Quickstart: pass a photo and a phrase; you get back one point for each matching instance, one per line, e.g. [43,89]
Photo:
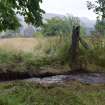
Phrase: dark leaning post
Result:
[75,48]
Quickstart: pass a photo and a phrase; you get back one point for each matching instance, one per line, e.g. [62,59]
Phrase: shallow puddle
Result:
[47,78]
[90,78]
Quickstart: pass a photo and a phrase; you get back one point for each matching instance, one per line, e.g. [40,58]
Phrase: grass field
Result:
[42,51]
[19,44]
[29,54]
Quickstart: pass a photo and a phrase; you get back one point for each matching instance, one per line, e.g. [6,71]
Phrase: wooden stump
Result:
[75,48]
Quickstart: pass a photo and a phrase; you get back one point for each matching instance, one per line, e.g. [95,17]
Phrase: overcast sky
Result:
[73,7]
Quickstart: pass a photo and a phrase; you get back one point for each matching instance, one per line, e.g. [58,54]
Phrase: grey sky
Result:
[73,7]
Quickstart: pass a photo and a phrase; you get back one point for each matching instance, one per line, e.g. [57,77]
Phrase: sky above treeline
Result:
[72,7]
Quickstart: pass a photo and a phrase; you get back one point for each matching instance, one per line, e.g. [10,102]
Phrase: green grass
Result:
[31,94]
[20,61]
[95,56]
[51,52]
[28,62]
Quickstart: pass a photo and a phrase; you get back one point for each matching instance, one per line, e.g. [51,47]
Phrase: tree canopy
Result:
[29,9]
[57,26]
[100,27]
[98,7]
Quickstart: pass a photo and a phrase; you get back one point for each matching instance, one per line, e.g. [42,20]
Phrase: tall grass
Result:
[42,51]
[95,55]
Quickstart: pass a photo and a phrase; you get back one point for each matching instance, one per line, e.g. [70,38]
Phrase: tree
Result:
[29,9]
[98,7]
[52,27]
[57,26]
[100,27]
